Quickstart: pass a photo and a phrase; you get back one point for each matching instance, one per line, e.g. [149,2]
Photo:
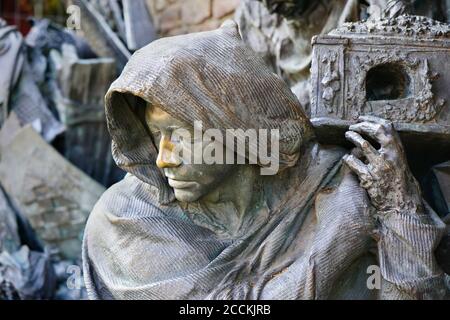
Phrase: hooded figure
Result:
[305,233]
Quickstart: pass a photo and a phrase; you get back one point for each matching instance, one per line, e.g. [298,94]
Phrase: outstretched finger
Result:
[368,150]
[357,166]
[374,130]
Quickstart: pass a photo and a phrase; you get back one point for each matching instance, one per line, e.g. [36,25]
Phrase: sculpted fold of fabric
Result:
[311,231]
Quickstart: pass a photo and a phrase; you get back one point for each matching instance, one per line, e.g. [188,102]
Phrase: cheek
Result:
[206,176]
[214,174]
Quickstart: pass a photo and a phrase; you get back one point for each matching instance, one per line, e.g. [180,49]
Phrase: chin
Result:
[184,195]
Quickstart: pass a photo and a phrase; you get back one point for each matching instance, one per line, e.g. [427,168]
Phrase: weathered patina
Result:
[309,232]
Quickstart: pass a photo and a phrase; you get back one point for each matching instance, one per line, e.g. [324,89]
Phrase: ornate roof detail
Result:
[404,26]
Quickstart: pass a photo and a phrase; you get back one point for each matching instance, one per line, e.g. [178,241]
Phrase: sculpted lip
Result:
[177,184]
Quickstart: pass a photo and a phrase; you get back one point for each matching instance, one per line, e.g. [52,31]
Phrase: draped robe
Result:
[312,234]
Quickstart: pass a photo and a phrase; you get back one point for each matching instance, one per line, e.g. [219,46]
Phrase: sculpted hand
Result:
[384,173]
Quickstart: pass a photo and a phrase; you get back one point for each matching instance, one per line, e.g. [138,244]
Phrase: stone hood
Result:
[211,77]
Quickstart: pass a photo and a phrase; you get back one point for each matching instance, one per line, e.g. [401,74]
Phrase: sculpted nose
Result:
[166,155]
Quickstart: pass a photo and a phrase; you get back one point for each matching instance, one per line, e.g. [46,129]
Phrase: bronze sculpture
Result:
[391,68]
[311,231]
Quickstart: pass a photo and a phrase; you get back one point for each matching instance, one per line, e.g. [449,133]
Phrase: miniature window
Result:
[387,82]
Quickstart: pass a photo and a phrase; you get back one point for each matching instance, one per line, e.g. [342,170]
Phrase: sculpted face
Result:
[189,181]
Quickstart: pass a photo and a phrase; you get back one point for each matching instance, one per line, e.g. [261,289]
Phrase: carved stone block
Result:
[54,196]
[83,84]
[397,69]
